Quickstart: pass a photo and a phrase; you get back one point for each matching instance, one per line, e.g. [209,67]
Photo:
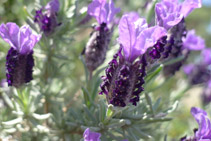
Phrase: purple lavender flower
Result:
[20,61]
[203,133]
[97,45]
[47,17]
[125,76]
[91,136]
[170,12]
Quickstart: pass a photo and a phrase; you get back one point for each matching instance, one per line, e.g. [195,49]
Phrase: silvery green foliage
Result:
[60,103]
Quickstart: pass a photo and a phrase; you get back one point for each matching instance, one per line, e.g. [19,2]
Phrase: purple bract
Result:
[91,136]
[170,12]
[20,61]
[102,11]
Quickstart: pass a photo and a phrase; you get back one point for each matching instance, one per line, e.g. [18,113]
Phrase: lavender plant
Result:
[115,89]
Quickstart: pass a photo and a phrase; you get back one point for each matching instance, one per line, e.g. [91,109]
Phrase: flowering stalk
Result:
[125,76]
[20,62]
[97,46]
[46,17]
[171,15]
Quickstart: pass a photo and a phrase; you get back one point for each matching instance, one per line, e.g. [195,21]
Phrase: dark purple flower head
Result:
[102,11]
[47,17]
[193,42]
[170,12]
[19,58]
[125,76]
[91,136]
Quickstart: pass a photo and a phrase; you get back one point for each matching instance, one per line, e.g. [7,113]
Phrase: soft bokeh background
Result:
[200,20]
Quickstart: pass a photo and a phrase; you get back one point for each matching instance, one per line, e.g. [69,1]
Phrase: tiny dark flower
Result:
[97,46]
[47,17]
[125,75]
[19,60]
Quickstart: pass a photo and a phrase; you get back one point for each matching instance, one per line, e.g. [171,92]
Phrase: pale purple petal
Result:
[127,34]
[53,6]
[10,33]
[168,14]
[27,40]
[204,130]
[188,69]
[149,37]
[206,54]
[112,11]
[189,5]
[97,9]
[193,42]
[91,136]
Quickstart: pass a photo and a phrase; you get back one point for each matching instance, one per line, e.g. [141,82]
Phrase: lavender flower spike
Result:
[46,17]
[193,42]
[170,13]
[125,76]
[91,136]
[20,61]
[97,46]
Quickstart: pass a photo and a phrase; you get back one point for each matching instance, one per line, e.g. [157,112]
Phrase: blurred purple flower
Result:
[188,69]
[206,56]
[193,42]
[97,46]
[47,17]
[125,77]
[206,95]
[170,12]
[20,61]
[91,136]
[102,11]
[204,130]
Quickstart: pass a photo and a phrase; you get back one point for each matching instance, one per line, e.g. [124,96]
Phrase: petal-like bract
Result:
[53,6]
[193,42]
[91,136]
[189,5]
[102,11]
[136,37]
[204,131]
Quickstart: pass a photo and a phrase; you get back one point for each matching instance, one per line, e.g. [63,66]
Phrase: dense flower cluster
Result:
[125,76]
[20,61]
